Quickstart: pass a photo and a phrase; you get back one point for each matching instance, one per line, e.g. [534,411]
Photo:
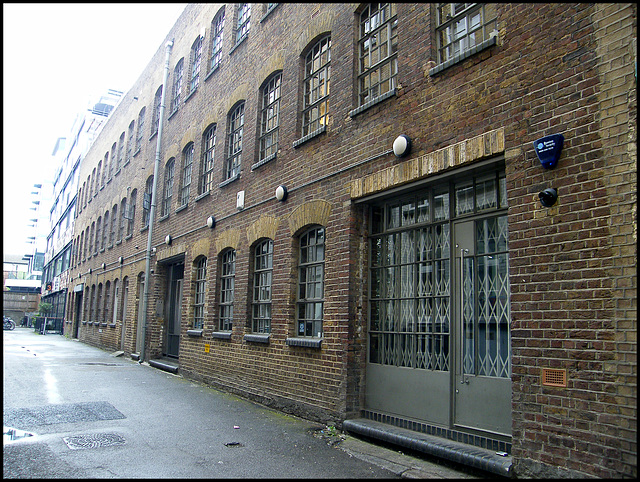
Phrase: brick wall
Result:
[556,68]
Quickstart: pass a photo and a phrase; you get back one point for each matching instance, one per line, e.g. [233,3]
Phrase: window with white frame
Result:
[168,187]
[123,219]
[227,282]
[234,141]
[130,141]
[317,74]
[200,291]
[177,84]
[187,163]
[196,58]
[270,116]
[244,17]
[140,132]
[378,51]
[262,280]
[120,152]
[146,202]
[155,119]
[462,26]
[216,39]
[132,211]
[310,299]
[208,153]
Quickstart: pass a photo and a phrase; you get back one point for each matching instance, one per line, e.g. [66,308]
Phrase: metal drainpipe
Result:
[152,210]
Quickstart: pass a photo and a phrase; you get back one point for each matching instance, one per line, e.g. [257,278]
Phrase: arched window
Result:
[196,58]
[132,211]
[114,224]
[178,72]
[216,39]
[234,141]
[227,282]
[270,116]
[130,141]
[262,280]
[187,163]
[244,22]
[168,187]
[146,202]
[155,118]
[317,76]
[120,152]
[105,231]
[140,132]
[123,219]
[200,292]
[208,154]
[310,294]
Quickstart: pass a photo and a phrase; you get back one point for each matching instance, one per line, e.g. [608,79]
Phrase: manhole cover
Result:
[93,441]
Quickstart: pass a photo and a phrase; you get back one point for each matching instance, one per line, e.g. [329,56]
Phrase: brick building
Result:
[347,223]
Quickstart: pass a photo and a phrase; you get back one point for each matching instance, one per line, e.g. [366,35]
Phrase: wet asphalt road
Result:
[96,415]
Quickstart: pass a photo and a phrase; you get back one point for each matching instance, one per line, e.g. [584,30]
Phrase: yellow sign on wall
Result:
[206,348]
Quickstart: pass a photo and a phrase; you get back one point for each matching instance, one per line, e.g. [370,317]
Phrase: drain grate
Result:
[93,441]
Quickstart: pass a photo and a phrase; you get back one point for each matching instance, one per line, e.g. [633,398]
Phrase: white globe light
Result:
[401,146]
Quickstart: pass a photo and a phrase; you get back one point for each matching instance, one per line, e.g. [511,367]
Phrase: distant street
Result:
[96,415]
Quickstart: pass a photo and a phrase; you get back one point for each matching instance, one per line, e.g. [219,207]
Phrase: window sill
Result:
[305,342]
[145,228]
[153,134]
[117,172]
[221,335]
[372,102]
[268,12]
[190,95]
[264,161]
[101,324]
[166,216]
[463,55]
[238,43]
[203,195]
[173,112]
[309,136]
[257,338]
[195,333]
[229,181]
[181,208]
[137,152]
[214,69]
[112,325]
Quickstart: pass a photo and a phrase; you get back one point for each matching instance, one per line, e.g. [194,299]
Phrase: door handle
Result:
[463,251]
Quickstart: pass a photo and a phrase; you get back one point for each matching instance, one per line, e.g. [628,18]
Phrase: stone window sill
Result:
[221,335]
[305,342]
[463,55]
[372,102]
[257,338]
[309,136]
[195,333]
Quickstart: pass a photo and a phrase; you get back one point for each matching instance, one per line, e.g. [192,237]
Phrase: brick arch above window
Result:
[241,93]
[265,227]
[271,65]
[229,238]
[312,212]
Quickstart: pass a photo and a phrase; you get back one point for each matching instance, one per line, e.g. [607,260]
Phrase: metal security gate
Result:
[439,346]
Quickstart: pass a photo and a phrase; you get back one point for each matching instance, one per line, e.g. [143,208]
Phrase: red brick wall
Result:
[556,68]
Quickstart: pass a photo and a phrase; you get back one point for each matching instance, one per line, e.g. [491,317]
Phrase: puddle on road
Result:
[12,434]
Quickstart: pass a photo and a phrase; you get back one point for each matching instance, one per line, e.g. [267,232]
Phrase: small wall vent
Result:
[553,377]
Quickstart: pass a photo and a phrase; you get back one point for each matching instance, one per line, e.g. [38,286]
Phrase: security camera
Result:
[548,197]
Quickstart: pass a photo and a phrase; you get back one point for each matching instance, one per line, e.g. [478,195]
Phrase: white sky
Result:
[57,57]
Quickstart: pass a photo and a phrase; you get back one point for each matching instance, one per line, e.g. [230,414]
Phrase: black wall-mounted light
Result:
[548,197]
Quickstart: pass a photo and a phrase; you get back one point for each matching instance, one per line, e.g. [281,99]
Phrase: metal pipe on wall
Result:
[152,209]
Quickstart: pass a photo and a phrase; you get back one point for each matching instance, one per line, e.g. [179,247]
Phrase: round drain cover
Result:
[92,441]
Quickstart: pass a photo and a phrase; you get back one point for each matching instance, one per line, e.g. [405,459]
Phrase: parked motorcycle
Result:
[8,323]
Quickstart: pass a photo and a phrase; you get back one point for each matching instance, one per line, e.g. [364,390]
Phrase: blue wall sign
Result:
[548,150]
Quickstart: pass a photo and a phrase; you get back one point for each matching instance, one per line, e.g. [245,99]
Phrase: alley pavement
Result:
[77,411]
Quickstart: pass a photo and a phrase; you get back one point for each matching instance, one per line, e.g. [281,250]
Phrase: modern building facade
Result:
[354,211]
[68,155]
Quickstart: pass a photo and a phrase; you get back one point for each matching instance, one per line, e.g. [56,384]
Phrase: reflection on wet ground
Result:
[11,434]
